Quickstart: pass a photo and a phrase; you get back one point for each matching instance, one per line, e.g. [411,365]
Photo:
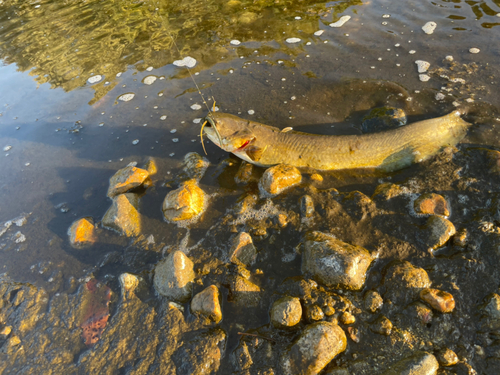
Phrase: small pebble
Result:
[440,96]
[438,299]
[150,68]
[429,27]
[411,52]
[7,148]
[449,58]
[164,117]
[197,120]
[341,21]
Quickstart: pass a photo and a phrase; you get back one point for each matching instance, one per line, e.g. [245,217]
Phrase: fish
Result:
[390,150]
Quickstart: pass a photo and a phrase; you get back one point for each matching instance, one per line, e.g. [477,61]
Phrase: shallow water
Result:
[68,135]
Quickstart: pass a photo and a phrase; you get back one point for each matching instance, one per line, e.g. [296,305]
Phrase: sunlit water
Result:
[64,66]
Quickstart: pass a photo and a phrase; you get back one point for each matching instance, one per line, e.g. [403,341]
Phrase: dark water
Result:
[68,135]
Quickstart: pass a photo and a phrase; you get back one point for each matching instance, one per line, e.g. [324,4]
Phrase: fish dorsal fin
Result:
[255,152]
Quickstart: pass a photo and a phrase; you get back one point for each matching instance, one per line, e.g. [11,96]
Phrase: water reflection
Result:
[64,43]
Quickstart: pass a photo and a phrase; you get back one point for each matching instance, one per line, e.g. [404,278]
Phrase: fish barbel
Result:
[390,150]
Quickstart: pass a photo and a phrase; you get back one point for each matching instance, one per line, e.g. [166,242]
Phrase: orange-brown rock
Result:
[126,179]
[431,204]
[279,178]
[123,215]
[82,232]
[438,299]
[184,203]
[207,303]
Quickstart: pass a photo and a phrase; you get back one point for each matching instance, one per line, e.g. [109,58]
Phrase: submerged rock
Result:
[242,251]
[126,179]
[317,345]
[244,174]
[174,277]
[438,231]
[207,303]
[277,179]
[420,363]
[383,118]
[241,357]
[403,282]
[372,301]
[438,299]
[447,357]
[431,204]
[306,206]
[286,312]
[194,166]
[202,354]
[244,292]
[82,232]
[382,326]
[151,166]
[184,203]
[123,215]
[334,262]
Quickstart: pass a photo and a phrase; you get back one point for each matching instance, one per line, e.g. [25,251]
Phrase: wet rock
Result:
[431,204]
[151,167]
[194,166]
[126,179]
[306,206]
[202,354]
[242,251]
[184,203]
[490,309]
[245,204]
[123,215]
[387,191]
[334,262]
[447,357]
[82,232]
[420,363]
[354,334]
[314,313]
[317,177]
[317,345]
[338,371]
[241,357]
[383,118]
[286,312]
[5,332]
[347,318]
[419,313]
[372,301]
[207,303]
[438,231]
[244,292]
[382,326]
[438,299]
[277,179]
[282,220]
[460,238]
[174,277]
[244,174]
[493,158]
[128,284]
[403,282]
[95,311]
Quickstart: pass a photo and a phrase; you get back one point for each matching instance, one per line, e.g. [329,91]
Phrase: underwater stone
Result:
[403,282]
[286,312]
[334,262]
[82,232]
[242,250]
[438,231]
[184,203]
[277,179]
[244,292]
[420,363]
[317,345]
[126,179]
[431,204]
[382,326]
[174,277]
[123,215]
[207,303]
[372,301]
[383,118]
[447,357]
[194,166]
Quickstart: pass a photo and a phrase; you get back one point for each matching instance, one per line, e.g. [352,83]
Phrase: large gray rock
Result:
[174,277]
[334,262]
[126,179]
[123,215]
[318,344]
[242,250]
[403,282]
[286,312]
[202,354]
[420,363]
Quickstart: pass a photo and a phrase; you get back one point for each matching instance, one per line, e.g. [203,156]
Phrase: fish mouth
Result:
[211,130]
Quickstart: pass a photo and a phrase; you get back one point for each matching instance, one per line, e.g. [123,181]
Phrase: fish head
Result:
[230,133]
